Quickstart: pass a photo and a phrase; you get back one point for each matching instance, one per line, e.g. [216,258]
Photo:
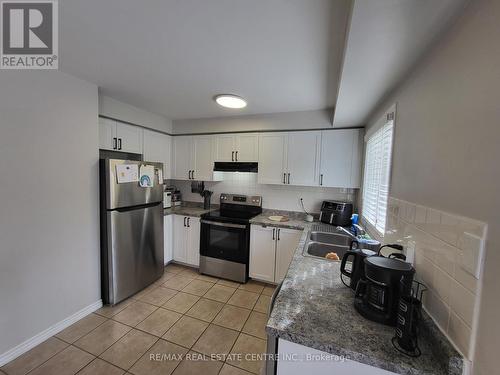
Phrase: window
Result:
[377,173]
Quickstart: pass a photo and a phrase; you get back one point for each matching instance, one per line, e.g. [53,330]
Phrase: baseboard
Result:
[49,332]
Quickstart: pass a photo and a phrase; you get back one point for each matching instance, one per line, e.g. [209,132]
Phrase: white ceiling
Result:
[172,56]
[385,39]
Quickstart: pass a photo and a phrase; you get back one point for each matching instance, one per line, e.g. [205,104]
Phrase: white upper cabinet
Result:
[202,158]
[118,136]
[357,157]
[225,145]
[303,158]
[247,147]
[237,147]
[330,158]
[158,147]
[341,158]
[129,138]
[272,158]
[182,158]
[193,158]
[107,134]
[289,158]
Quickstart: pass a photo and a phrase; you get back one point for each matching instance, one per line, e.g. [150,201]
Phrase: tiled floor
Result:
[171,327]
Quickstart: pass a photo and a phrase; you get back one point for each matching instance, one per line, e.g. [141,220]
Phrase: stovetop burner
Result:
[236,208]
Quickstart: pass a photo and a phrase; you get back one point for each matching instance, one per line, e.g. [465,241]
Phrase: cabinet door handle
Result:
[236,154]
[188,221]
[185,220]
[114,143]
[189,174]
[284,178]
[119,143]
[192,175]
[279,230]
[321,180]
[232,155]
[288,178]
[274,231]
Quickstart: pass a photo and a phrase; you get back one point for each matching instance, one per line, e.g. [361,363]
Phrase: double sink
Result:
[319,244]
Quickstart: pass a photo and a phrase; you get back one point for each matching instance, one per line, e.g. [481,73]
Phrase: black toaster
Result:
[336,213]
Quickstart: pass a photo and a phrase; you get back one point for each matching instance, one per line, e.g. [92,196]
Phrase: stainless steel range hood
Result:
[236,167]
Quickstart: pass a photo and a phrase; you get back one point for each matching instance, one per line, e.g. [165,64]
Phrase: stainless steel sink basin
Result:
[331,238]
[317,249]
[321,243]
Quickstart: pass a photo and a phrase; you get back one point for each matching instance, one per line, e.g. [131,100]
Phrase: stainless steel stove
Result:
[225,237]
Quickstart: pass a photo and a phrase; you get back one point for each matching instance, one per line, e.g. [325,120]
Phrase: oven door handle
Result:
[230,225]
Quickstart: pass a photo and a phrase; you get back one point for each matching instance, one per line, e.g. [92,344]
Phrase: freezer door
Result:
[135,250]
[130,193]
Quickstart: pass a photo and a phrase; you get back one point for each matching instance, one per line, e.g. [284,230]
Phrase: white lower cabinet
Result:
[180,239]
[286,244]
[271,251]
[186,235]
[262,253]
[168,230]
[193,242]
[296,359]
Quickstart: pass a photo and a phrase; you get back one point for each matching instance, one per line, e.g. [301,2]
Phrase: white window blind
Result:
[377,175]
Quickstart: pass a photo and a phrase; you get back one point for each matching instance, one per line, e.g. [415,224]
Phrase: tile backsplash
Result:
[448,256]
[279,197]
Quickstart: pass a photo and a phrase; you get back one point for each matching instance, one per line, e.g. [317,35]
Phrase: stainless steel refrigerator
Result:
[131,227]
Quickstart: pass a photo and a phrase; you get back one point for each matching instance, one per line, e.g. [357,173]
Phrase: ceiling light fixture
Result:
[230,101]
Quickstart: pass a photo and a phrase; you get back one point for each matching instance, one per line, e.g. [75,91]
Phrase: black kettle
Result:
[357,271]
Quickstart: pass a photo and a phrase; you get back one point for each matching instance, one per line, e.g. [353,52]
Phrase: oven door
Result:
[227,241]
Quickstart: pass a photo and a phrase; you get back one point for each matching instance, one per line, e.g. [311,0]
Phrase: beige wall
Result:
[49,222]
[121,111]
[446,150]
[273,121]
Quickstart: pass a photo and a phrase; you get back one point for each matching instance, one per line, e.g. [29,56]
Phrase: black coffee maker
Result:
[378,294]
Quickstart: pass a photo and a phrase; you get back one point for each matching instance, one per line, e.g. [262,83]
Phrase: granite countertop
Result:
[193,209]
[296,219]
[314,309]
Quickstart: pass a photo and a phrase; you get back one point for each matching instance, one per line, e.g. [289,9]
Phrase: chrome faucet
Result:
[342,229]
[367,244]
[359,230]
